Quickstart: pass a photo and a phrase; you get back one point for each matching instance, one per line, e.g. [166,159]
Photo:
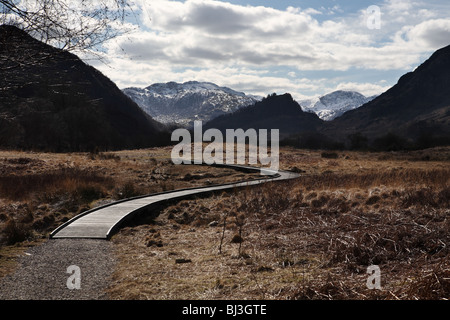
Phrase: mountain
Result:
[334,104]
[414,113]
[182,103]
[417,108]
[51,100]
[273,112]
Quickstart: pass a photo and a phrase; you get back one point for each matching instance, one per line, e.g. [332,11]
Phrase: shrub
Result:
[329,155]
[44,222]
[154,239]
[128,190]
[89,193]
[237,239]
[358,141]
[14,232]
[46,185]
[421,197]
[390,142]
[372,200]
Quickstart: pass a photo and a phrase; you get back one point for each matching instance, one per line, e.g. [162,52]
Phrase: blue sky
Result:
[306,48]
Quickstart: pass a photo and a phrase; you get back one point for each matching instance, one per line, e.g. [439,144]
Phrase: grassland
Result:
[40,191]
[309,238]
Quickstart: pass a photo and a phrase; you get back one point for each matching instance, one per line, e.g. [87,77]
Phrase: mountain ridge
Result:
[334,104]
[182,103]
[61,104]
[416,107]
[414,113]
[56,102]
[273,112]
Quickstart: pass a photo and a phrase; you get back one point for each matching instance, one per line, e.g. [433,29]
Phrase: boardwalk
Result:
[102,222]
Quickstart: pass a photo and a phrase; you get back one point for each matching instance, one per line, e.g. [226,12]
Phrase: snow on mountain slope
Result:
[335,104]
[182,103]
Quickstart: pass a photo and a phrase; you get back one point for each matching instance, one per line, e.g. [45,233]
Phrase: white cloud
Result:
[432,33]
[397,6]
[231,44]
[367,89]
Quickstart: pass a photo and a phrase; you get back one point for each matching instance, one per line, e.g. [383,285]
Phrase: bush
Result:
[312,140]
[128,190]
[358,141]
[14,232]
[89,193]
[44,222]
[329,155]
[390,142]
[46,185]
[421,197]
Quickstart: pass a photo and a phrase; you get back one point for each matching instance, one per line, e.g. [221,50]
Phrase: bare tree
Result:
[78,25]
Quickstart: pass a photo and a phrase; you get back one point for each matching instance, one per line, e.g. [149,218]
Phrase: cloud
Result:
[398,6]
[367,89]
[433,33]
[232,44]
[208,31]
[221,31]
[222,18]
[312,11]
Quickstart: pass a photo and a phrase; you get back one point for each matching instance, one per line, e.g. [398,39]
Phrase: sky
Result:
[306,48]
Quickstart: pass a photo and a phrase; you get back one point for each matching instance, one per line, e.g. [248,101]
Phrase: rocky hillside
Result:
[51,100]
[334,104]
[182,103]
[273,112]
[416,109]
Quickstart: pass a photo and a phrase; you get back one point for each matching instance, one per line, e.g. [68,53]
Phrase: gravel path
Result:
[43,274]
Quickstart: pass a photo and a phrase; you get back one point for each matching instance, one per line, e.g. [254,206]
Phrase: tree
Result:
[358,141]
[390,142]
[69,25]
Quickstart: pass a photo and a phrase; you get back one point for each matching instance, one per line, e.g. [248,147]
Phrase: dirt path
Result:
[43,275]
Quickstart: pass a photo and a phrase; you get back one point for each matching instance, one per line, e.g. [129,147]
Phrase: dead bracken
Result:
[310,238]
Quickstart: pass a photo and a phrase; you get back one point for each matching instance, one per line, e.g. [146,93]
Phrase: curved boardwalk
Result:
[101,222]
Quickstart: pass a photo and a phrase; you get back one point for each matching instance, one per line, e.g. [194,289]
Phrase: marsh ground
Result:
[310,238]
[39,191]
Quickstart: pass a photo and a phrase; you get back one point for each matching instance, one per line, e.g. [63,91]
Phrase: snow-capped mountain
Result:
[334,104]
[182,103]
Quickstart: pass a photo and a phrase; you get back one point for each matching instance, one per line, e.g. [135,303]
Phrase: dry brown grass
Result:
[39,191]
[312,238]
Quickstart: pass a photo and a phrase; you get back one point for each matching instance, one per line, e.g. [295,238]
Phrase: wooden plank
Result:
[100,223]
